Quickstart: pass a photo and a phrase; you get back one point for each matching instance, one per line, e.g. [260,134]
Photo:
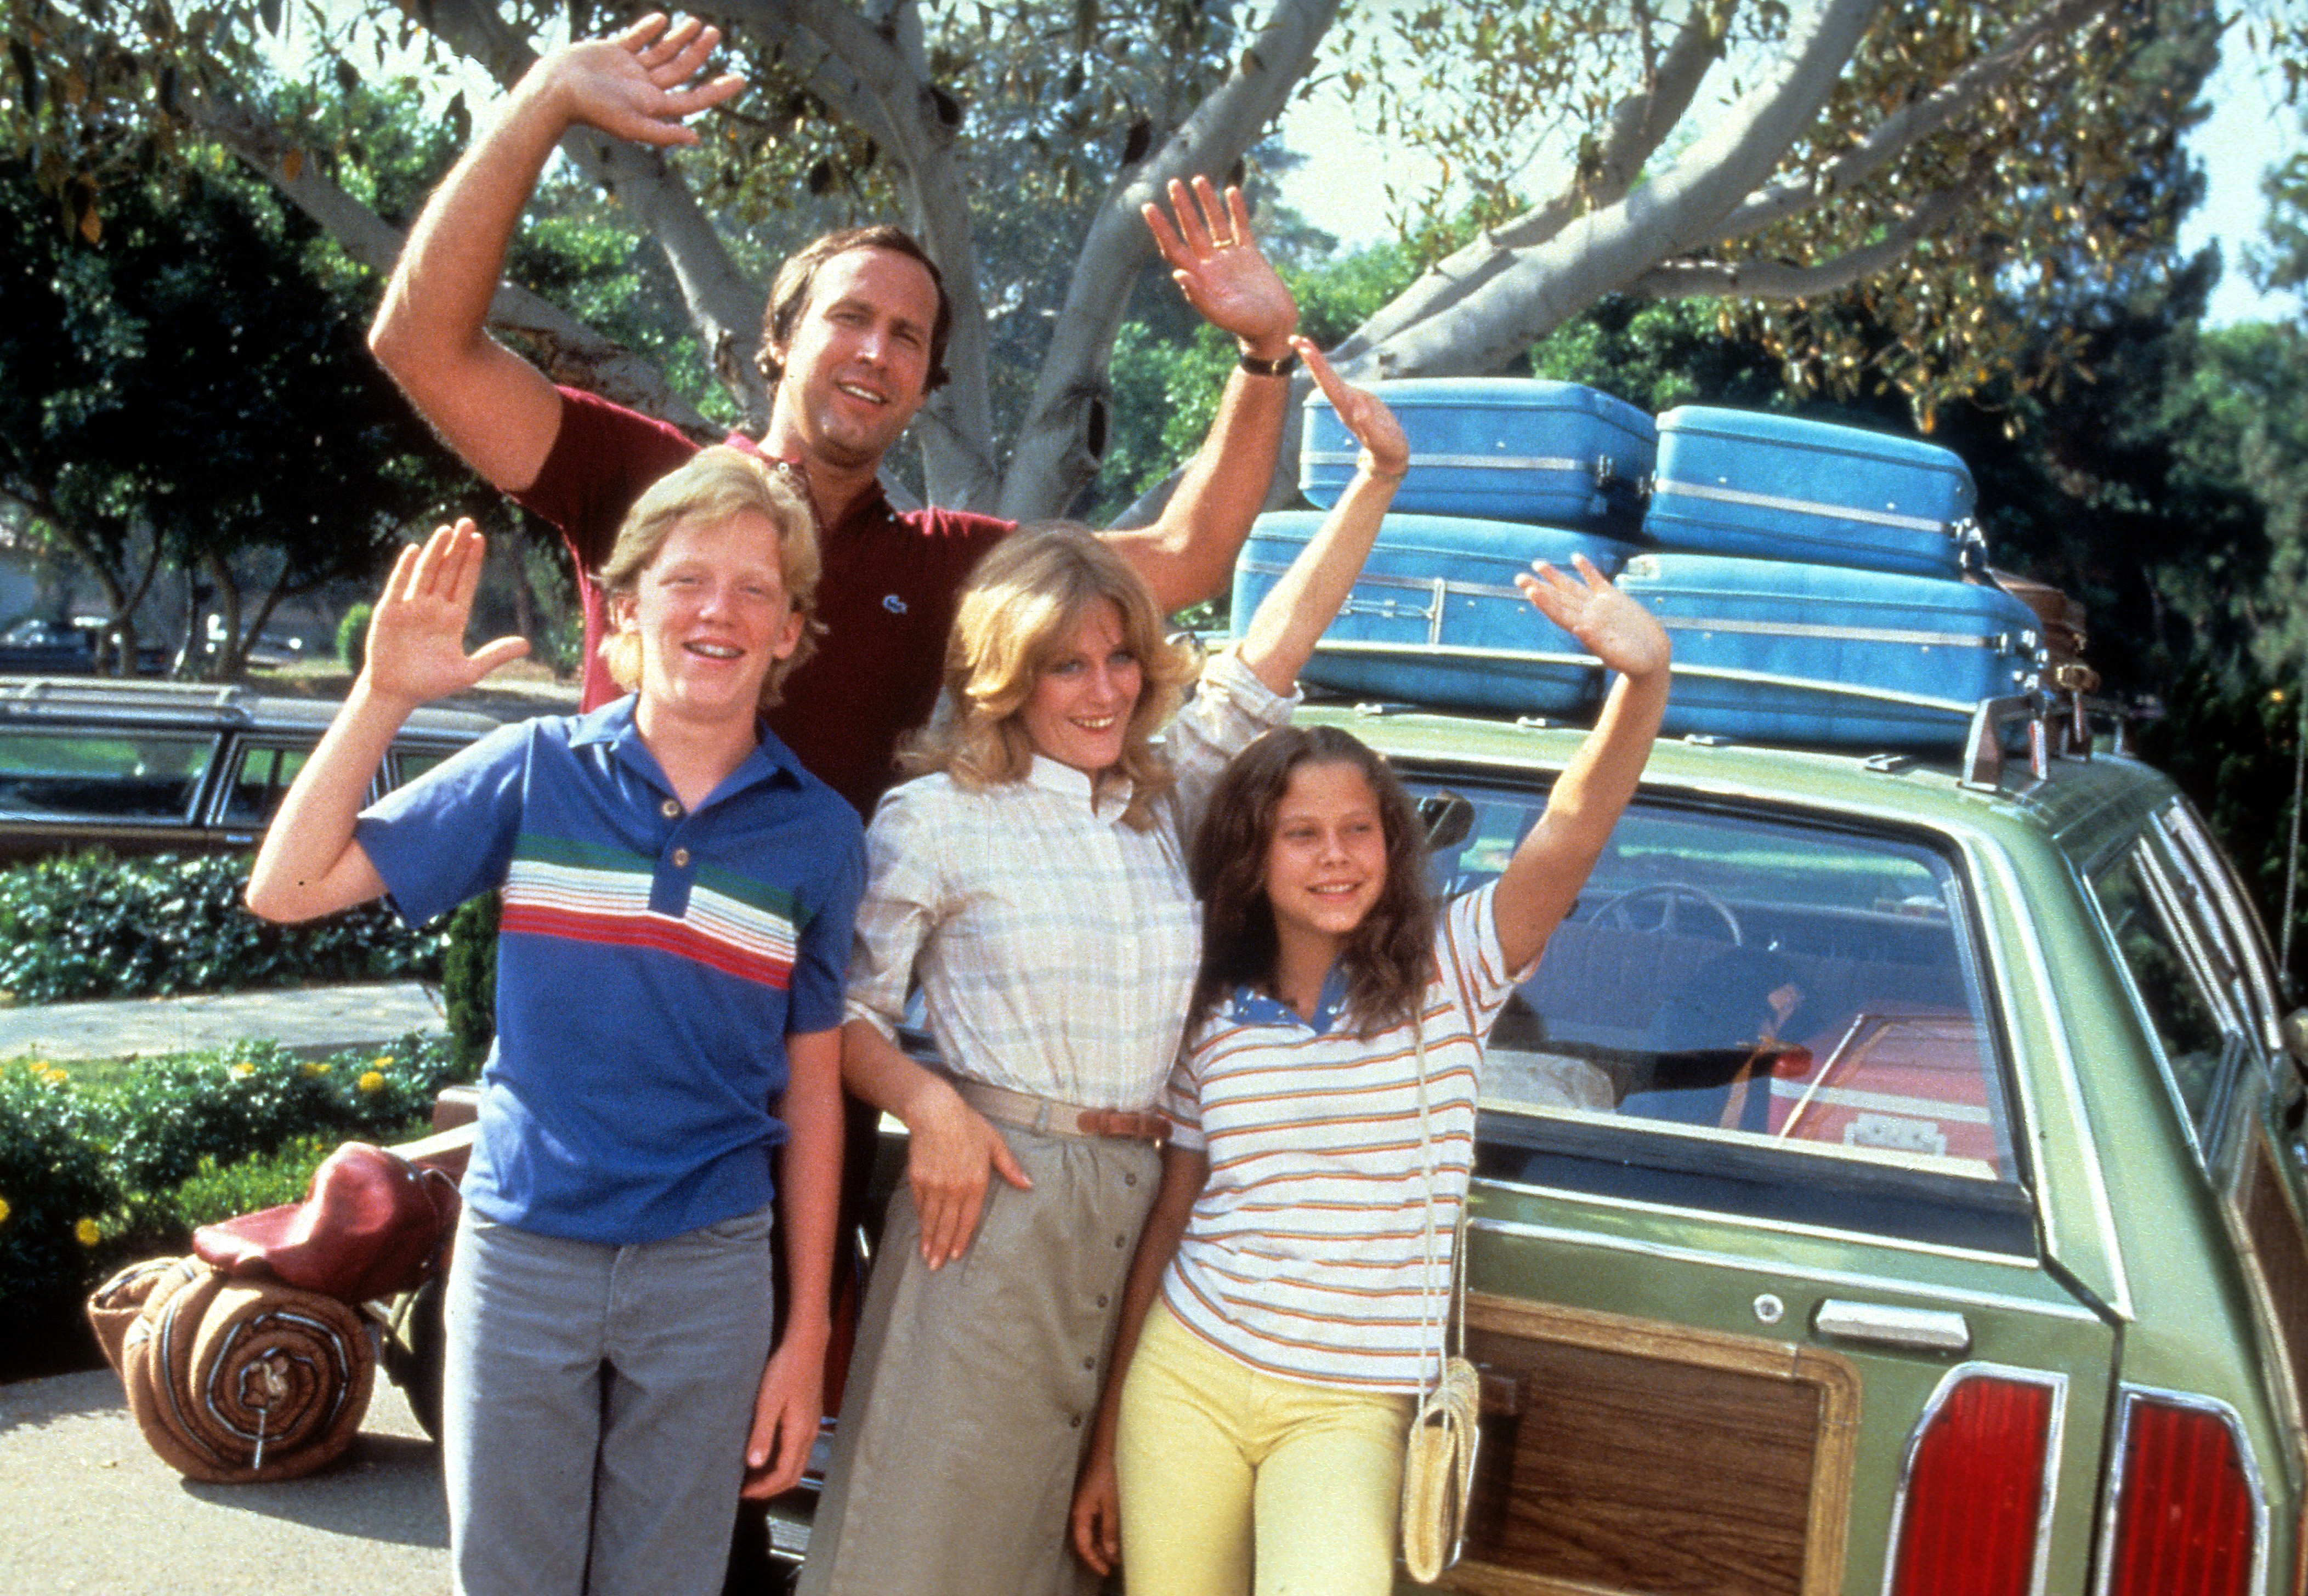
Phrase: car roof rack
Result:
[100,699]
[2056,715]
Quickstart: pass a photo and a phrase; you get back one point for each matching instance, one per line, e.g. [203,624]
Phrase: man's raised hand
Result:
[641,85]
[1217,262]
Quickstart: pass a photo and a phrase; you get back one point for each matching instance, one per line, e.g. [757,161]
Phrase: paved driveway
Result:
[86,1507]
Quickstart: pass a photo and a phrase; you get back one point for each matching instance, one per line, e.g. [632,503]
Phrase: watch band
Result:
[1256,367]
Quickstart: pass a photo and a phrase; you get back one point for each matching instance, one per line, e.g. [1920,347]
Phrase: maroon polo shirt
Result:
[886,596]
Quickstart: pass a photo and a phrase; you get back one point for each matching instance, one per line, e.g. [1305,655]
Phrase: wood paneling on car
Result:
[1623,1455]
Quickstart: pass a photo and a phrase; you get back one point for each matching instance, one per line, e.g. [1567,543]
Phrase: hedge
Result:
[89,925]
[92,1176]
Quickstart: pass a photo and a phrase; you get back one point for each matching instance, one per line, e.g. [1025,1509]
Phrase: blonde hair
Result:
[715,484]
[1019,609]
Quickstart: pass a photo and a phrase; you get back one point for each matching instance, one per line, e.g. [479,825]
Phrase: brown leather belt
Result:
[1063,1119]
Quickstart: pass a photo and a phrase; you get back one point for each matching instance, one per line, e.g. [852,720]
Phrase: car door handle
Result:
[1879,1324]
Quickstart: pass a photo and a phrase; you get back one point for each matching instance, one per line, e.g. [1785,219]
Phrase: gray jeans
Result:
[597,1400]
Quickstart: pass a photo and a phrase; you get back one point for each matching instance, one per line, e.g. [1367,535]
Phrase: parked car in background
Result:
[34,645]
[154,767]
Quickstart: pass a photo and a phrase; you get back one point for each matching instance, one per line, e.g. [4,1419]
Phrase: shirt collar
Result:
[1055,775]
[871,504]
[1255,1007]
[613,725]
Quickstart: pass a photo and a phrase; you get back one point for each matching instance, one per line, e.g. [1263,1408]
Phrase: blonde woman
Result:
[678,899]
[1031,882]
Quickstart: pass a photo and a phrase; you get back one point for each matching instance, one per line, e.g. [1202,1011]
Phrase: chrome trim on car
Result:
[2128,1396]
[2055,1435]
[1989,858]
[1886,1324]
[1841,1279]
[2183,824]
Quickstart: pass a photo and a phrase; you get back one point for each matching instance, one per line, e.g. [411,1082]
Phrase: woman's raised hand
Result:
[416,635]
[1612,627]
[1386,452]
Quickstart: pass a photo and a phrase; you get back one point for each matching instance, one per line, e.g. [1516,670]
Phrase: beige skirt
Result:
[973,1387]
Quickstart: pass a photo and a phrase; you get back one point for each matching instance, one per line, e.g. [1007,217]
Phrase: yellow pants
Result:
[1226,1470]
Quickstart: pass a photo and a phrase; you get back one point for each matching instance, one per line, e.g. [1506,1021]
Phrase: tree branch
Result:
[1053,460]
[571,351]
[1604,250]
[1914,121]
[1781,279]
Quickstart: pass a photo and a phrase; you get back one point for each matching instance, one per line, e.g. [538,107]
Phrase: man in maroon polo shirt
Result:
[853,342]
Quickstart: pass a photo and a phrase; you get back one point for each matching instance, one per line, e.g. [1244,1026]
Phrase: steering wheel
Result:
[1620,911]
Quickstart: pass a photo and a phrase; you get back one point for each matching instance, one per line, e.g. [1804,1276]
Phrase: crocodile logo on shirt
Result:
[893,604]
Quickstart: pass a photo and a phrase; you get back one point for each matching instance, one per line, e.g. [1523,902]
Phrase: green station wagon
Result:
[1889,1183]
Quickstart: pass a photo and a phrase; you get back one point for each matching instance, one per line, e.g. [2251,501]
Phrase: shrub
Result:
[469,978]
[54,1193]
[226,1104]
[88,925]
[352,636]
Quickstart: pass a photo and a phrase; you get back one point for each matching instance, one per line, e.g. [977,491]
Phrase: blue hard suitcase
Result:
[1501,449]
[1436,617]
[1776,651]
[1751,483]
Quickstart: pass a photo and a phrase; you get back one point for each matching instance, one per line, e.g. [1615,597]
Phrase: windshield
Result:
[1751,1013]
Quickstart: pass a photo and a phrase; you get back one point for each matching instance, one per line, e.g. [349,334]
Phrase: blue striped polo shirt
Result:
[652,962]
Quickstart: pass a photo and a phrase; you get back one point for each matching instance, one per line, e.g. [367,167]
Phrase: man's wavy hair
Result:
[714,484]
[1388,958]
[1017,612]
[790,295]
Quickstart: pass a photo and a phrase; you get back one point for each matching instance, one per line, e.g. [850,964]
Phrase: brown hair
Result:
[1388,958]
[1019,608]
[715,484]
[790,295]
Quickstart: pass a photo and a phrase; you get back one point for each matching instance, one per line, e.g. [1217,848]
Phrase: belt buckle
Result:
[1042,1115]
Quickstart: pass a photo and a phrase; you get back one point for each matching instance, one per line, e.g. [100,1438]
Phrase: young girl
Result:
[1033,886]
[678,893]
[1261,1420]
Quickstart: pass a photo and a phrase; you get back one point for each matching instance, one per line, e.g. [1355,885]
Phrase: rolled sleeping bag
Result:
[235,1382]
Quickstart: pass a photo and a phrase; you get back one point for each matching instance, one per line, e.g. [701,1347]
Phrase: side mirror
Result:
[1449,818]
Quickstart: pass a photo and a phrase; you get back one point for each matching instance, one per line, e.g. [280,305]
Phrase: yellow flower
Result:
[313,1067]
[86,1233]
[371,1081]
[382,1061]
[4,1210]
[242,1071]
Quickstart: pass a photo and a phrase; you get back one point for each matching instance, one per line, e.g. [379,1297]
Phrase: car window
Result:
[2181,983]
[411,763]
[2231,907]
[102,776]
[1728,981]
[260,781]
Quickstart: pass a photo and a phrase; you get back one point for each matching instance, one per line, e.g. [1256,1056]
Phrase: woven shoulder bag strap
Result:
[1432,1327]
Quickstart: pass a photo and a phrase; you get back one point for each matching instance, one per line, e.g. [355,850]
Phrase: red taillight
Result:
[1975,1492]
[2185,1520]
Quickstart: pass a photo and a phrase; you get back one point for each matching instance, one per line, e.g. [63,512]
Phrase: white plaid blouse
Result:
[1055,947]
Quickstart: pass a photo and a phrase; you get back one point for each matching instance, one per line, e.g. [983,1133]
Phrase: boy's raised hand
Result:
[1386,452]
[416,635]
[640,84]
[1612,627]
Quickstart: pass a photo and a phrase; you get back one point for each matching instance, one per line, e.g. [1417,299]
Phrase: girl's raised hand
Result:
[1386,452]
[416,636]
[1612,627]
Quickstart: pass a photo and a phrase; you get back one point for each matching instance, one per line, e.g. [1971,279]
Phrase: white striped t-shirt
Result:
[1305,1254]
